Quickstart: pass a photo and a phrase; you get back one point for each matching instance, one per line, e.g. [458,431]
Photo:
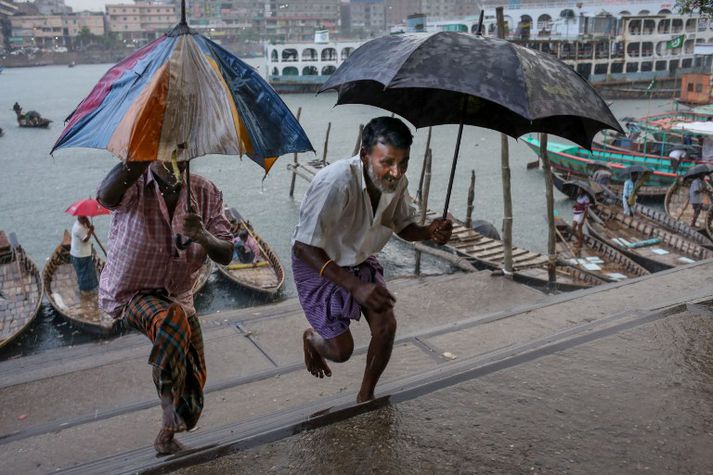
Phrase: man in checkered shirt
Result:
[149,276]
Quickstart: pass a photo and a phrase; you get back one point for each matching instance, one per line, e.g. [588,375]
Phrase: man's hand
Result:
[440,230]
[374,297]
[193,228]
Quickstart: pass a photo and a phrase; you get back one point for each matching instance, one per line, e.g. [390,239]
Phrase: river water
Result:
[36,188]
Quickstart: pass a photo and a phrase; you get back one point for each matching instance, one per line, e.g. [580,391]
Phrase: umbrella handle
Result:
[180,243]
[455,159]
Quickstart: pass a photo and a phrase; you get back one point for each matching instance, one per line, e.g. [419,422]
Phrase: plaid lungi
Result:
[177,351]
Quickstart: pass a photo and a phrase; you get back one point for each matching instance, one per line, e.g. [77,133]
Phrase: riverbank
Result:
[93,408]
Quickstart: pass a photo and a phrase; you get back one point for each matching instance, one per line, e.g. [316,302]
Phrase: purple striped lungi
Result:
[329,308]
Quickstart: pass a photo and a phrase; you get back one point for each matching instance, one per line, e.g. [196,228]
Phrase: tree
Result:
[704,7]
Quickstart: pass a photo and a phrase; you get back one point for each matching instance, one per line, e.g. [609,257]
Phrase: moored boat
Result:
[528,267]
[204,274]
[652,246]
[20,289]
[63,294]
[575,160]
[267,275]
[595,256]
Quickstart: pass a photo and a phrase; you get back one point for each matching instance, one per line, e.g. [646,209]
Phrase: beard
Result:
[386,184]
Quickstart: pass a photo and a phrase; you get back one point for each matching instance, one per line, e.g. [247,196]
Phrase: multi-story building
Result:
[297,20]
[363,18]
[396,11]
[443,9]
[52,7]
[7,10]
[141,22]
[53,31]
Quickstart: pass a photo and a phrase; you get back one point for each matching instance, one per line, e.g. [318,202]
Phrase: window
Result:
[632,67]
[647,66]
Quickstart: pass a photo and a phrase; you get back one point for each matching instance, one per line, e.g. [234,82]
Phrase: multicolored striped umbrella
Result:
[184,93]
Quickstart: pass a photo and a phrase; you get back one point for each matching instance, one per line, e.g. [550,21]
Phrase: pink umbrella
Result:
[87,207]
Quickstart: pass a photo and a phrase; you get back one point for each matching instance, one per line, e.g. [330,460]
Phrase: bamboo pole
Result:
[471,198]
[457,261]
[551,229]
[326,144]
[504,160]
[294,175]
[357,146]
[423,168]
[424,203]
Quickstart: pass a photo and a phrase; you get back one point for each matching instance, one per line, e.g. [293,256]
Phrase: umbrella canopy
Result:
[699,170]
[452,78]
[592,189]
[627,171]
[184,91]
[87,207]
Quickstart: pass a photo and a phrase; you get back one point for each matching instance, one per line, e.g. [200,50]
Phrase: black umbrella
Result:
[458,78]
[699,170]
[627,171]
[570,188]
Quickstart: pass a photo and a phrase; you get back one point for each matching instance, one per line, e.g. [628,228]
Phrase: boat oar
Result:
[101,246]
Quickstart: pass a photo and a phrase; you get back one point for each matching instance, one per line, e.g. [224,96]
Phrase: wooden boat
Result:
[677,207]
[205,271]
[267,277]
[575,160]
[31,119]
[648,244]
[63,294]
[595,256]
[528,267]
[661,219]
[20,289]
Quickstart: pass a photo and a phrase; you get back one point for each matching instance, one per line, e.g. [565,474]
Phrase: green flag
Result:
[651,84]
[677,42]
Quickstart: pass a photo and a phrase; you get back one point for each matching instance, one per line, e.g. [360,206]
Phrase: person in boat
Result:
[629,194]
[349,212]
[80,255]
[579,215]
[149,276]
[245,248]
[696,194]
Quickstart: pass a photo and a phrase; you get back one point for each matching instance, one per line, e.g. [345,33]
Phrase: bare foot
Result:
[171,420]
[364,397]
[165,444]
[313,360]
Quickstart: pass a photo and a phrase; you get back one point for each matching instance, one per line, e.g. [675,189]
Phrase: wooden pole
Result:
[505,164]
[424,202]
[326,144]
[471,198]
[423,168]
[549,197]
[357,146]
[294,161]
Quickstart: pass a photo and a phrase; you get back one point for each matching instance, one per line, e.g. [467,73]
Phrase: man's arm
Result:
[372,296]
[439,231]
[90,231]
[119,179]
[218,250]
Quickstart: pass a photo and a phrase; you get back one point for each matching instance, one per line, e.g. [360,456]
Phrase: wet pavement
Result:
[487,375]
[638,401]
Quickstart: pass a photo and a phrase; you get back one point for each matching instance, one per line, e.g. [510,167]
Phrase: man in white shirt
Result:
[80,254]
[348,214]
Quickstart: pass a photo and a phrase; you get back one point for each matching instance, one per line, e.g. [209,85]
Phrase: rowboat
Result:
[60,280]
[204,274]
[20,289]
[528,267]
[267,276]
[595,256]
[575,160]
[641,239]
[677,206]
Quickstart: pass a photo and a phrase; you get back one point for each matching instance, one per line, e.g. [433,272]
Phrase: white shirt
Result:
[336,214]
[79,248]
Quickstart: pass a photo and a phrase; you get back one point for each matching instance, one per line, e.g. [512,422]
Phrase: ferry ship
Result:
[612,44]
